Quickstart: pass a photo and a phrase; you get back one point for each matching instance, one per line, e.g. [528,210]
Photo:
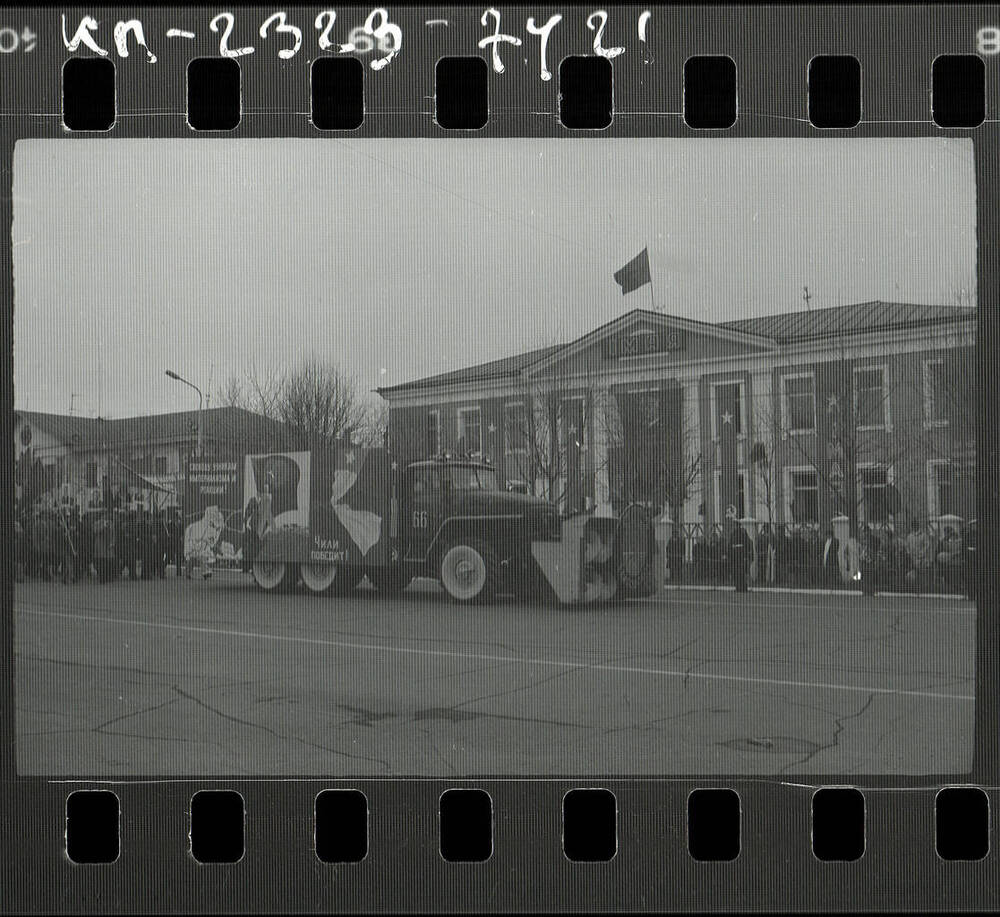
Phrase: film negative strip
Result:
[499,458]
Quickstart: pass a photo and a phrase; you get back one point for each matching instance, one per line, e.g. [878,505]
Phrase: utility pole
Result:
[806,296]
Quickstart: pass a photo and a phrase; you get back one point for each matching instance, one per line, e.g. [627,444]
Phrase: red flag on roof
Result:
[635,274]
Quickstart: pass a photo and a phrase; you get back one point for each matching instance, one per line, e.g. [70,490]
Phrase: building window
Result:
[873,484]
[470,429]
[804,496]
[870,397]
[160,467]
[936,399]
[91,473]
[941,488]
[433,444]
[515,423]
[799,403]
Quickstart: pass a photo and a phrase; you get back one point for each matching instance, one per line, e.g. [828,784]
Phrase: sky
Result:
[397,259]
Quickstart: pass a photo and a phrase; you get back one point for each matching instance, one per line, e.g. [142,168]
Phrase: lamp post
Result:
[174,375]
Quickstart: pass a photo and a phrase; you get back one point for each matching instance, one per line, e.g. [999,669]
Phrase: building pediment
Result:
[649,336]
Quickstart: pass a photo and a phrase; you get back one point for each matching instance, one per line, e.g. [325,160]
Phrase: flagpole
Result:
[652,301]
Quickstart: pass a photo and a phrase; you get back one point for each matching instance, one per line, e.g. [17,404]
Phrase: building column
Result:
[709,450]
[760,420]
[693,439]
[605,415]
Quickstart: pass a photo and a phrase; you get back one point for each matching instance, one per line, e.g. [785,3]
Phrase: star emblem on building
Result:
[832,402]
[350,458]
[727,417]
[492,428]
[395,466]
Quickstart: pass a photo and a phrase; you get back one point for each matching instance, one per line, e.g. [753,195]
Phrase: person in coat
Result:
[765,556]
[43,545]
[66,541]
[162,530]
[144,545]
[868,546]
[700,555]
[831,559]
[127,539]
[920,555]
[947,557]
[85,544]
[740,547]
[106,558]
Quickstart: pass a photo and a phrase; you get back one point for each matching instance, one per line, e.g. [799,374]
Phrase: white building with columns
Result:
[866,409]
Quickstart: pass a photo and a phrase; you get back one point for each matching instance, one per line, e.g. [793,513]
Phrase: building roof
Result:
[224,423]
[854,319]
[64,427]
[785,328]
[495,369]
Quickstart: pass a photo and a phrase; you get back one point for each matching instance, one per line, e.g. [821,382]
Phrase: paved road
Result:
[176,678]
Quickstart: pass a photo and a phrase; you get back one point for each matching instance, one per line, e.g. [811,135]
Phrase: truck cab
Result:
[444,498]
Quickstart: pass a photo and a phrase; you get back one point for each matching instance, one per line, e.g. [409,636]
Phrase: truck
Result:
[327,519]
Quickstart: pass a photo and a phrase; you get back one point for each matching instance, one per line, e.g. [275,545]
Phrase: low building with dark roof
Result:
[134,454]
[865,410]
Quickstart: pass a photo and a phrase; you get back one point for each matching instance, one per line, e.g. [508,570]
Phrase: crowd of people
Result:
[103,545]
[925,559]
[71,545]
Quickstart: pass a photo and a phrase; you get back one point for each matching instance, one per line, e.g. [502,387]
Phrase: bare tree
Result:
[655,467]
[763,459]
[373,427]
[315,402]
[877,430]
[553,426]
[548,427]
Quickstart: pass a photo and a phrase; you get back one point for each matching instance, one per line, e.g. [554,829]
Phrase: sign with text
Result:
[212,509]
[644,341]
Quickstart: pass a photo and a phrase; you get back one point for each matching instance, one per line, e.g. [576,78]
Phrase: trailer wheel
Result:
[470,572]
[273,576]
[318,578]
[389,580]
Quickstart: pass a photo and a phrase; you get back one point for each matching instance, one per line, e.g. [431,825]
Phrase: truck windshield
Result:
[471,477]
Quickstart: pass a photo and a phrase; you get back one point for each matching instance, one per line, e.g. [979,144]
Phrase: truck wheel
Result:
[318,578]
[470,572]
[273,576]
[389,580]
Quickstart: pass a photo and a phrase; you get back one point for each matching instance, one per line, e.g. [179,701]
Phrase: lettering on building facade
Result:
[644,341]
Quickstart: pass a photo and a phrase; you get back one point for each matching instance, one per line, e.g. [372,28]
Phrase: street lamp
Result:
[174,375]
